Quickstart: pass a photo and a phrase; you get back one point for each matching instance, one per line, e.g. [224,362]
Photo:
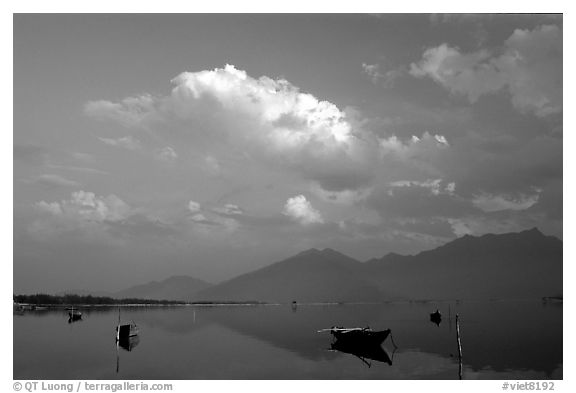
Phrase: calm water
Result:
[500,340]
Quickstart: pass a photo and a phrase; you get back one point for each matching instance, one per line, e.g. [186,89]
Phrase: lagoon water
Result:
[500,340]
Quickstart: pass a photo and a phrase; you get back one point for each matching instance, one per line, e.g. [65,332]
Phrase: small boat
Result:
[364,343]
[126,330]
[18,309]
[359,335]
[74,315]
[552,299]
[436,317]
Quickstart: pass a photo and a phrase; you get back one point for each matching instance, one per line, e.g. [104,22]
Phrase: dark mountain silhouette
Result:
[173,288]
[310,276]
[527,264]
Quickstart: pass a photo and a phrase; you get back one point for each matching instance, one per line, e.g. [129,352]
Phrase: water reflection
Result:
[72,319]
[363,351]
[501,340]
[129,343]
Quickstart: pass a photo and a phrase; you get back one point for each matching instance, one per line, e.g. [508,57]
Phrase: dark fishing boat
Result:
[126,330]
[364,343]
[74,315]
[436,317]
[359,335]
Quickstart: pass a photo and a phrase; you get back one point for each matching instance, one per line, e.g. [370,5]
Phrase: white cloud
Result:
[194,207]
[268,101]
[529,67]
[229,209]
[166,154]
[199,217]
[373,70]
[416,145]
[434,185]
[211,165]
[83,217]
[378,76]
[130,112]
[126,142]
[418,157]
[494,203]
[50,207]
[84,205]
[269,119]
[206,222]
[299,209]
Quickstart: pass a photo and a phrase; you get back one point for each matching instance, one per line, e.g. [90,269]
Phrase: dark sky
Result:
[210,145]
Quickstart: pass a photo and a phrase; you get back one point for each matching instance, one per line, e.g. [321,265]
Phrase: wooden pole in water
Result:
[118,327]
[117,358]
[459,347]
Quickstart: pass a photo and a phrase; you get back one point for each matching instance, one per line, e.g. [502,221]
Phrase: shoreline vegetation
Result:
[89,300]
[57,301]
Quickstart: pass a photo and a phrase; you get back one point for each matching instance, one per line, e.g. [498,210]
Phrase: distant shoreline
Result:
[31,302]
[87,305]
[57,301]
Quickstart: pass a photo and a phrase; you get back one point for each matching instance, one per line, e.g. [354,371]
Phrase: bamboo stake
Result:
[117,358]
[459,347]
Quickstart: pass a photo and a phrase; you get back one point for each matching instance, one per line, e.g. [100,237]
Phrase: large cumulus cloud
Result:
[269,119]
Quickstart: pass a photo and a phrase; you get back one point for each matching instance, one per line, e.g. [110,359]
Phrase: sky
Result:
[147,146]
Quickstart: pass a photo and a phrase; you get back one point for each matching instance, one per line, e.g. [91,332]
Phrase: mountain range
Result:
[519,265]
[527,264]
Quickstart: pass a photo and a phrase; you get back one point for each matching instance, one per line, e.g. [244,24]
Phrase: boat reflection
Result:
[129,343]
[126,343]
[364,343]
[364,351]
